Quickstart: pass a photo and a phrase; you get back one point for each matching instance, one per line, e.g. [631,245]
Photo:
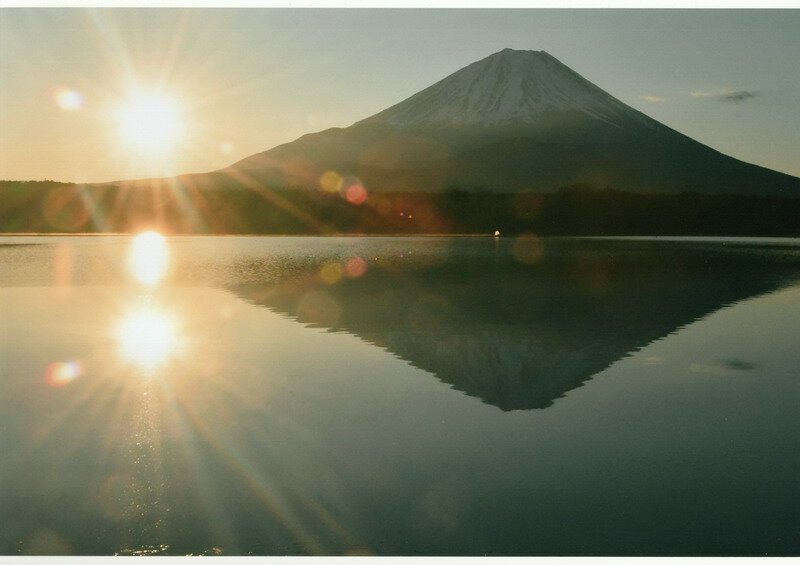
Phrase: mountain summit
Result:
[507,88]
[513,121]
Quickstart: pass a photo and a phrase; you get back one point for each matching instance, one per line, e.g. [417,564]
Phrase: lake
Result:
[399,396]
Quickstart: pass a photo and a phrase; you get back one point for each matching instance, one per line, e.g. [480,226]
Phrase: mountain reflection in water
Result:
[540,319]
[187,407]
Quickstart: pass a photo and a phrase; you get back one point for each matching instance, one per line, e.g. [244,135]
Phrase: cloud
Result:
[655,99]
[738,365]
[738,95]
[726,95]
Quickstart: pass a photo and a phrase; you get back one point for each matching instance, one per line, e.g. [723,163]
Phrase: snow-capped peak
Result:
[505,88]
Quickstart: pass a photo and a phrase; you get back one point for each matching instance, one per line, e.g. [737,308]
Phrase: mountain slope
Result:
[516,120]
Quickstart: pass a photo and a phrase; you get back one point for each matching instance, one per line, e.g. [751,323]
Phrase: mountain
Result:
[514,121]
[506,89]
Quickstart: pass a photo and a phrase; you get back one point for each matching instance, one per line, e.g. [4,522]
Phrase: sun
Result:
[151,122]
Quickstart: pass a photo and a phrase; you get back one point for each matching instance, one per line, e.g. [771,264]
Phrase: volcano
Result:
[514,121]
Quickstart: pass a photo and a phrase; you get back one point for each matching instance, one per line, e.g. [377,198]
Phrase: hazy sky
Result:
[244,80]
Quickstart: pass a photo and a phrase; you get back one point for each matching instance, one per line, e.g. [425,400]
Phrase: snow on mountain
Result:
[508,87]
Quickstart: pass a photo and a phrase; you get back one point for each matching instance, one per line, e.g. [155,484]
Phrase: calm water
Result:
[416,396]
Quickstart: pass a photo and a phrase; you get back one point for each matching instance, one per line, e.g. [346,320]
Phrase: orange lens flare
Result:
[355,267]
[62,374]
[356,194]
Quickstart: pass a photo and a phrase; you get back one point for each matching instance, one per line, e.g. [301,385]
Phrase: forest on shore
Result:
[171,207]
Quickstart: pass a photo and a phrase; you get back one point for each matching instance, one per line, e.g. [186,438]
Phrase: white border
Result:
[422,4]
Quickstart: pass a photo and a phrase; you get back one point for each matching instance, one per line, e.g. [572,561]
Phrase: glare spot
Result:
[149,257]
[147,338]
[61,374]
[67,99]
[355,267]
[528,248]
[330,182]
[46,542]
[319,309]
[65,208]
[356,194]
[63,263]
[331,272]
[359,552]
[226,148]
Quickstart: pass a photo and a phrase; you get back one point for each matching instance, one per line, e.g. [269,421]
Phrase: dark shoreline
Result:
[580,210]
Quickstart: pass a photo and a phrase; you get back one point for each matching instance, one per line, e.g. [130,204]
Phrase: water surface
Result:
[413,396]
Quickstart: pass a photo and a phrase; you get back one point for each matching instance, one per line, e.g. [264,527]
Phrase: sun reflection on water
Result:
[149,257]
[147,338]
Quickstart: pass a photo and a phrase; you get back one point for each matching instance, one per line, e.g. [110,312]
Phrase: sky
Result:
[102,94]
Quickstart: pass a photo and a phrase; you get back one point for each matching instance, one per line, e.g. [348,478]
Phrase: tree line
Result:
[52,207]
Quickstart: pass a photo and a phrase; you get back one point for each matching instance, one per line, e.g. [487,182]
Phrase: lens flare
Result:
[63,265]
[318,308]
[355,267]
[61,374]
[356,194]
[147,338]
[331,182]
[149,257]
[66,209]
[67,99]
[528,248]
[331,272]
